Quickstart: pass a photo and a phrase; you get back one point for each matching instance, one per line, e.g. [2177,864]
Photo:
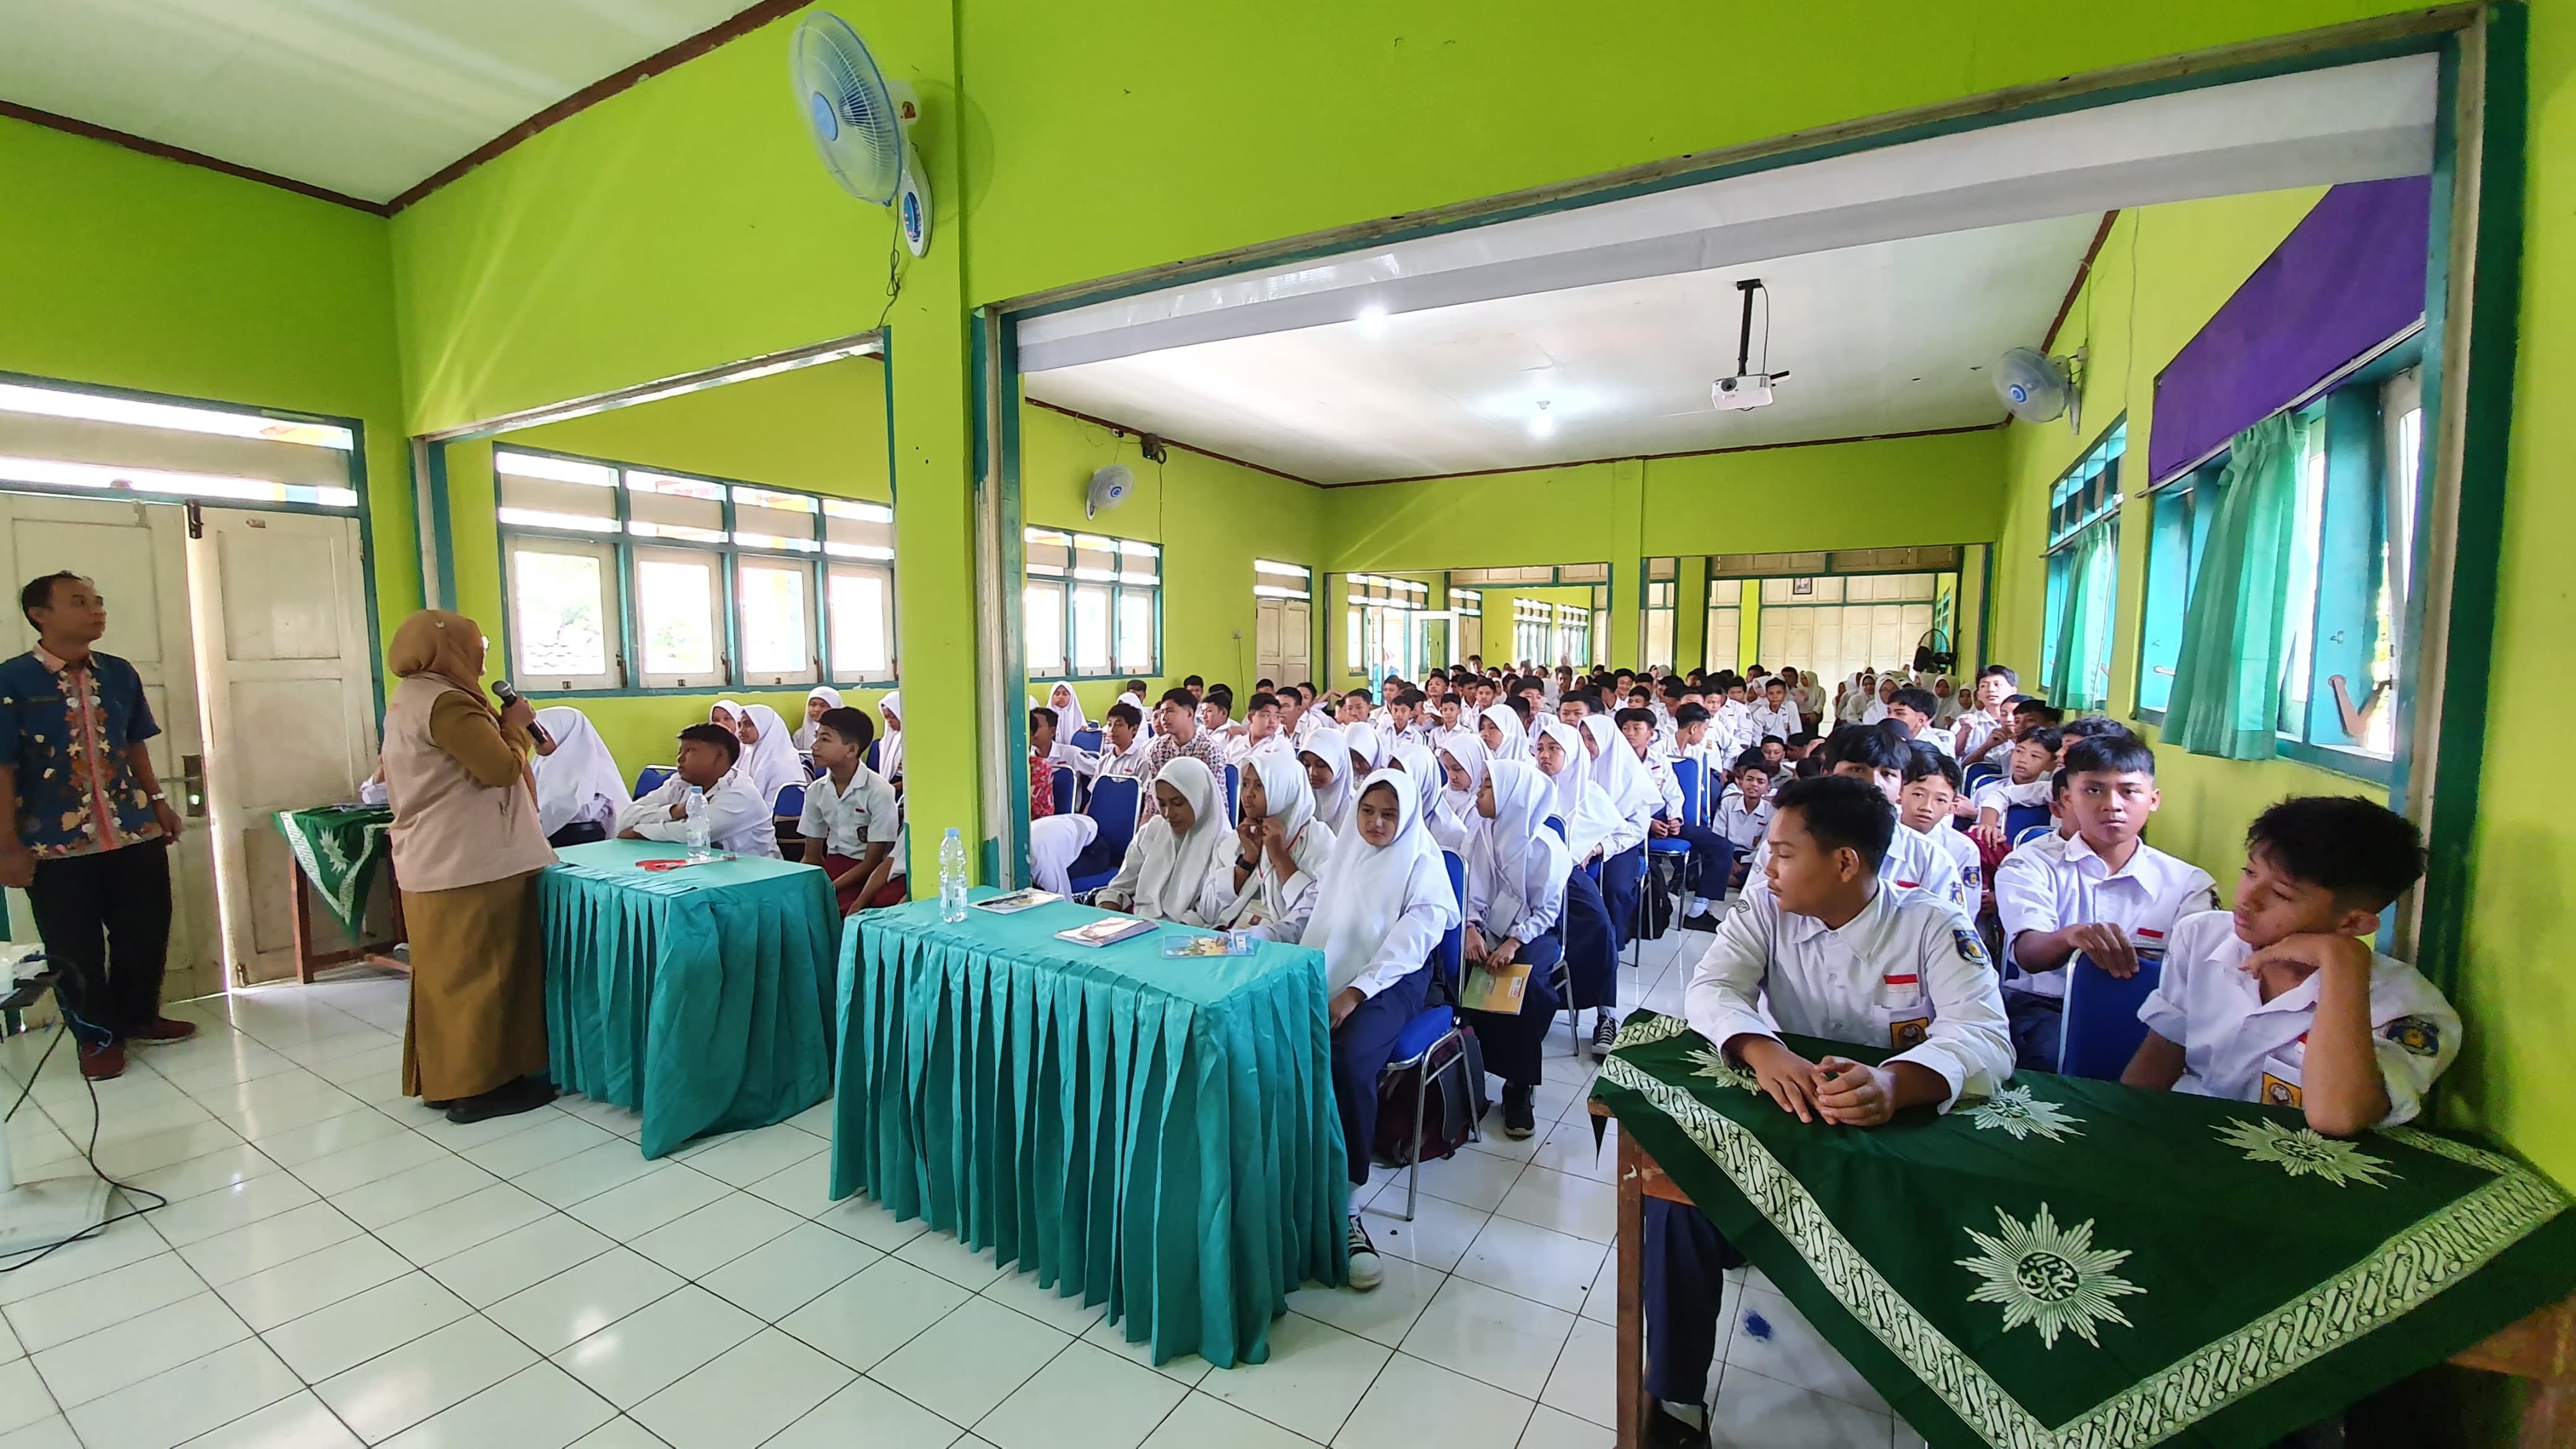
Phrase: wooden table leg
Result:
[300,907]
[1634,1406]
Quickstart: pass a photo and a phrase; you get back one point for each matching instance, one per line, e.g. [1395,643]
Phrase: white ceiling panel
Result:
[364,97]
[1887,338]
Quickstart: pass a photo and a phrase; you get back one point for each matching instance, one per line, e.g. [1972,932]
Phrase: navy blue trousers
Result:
[1622,882]
[1686,1261]
[1362,1046]
[1591,949]
[1511,1043]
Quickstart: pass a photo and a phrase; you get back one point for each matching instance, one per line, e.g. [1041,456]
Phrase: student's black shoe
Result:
[1704,921]
[1520,1117]
[1366,1272]
[1605,1032]
[1665,1430]
[510,1099]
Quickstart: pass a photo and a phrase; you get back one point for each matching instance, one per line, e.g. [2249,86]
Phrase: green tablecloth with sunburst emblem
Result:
[339,847]
[2075,1264]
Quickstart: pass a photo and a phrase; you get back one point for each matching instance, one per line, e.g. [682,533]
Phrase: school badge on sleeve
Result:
[2421,1036]
[1971,950]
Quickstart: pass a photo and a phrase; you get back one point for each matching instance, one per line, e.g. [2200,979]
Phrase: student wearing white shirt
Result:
[1260,733]
[851,819]
[1711,861]
[1989,719]
[2101,890]
[2024,783]
[1825,949]
[1385,902]
[1165,872]
[737,817]
[1931,789]
[1774,715]
[1744,810]
[1123,750]
[1881,755]
[1913,707]
[2282,1001]
[1516,871]
[1267,883]
[579,790]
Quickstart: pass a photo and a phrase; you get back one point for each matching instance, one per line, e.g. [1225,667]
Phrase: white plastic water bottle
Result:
[952,877]
[701,826]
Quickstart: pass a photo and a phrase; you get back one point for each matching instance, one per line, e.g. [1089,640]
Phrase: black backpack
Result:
[1452,1103]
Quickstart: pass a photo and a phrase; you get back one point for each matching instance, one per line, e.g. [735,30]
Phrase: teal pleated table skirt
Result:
[701,998]
[1156,1135]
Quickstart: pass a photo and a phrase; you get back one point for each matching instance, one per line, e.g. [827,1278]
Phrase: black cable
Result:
[89,1154]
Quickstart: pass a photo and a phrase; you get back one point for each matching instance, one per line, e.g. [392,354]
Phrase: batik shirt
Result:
[65,729]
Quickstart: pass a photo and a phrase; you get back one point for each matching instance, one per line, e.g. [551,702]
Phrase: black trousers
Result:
[1686,1260]
[105,920]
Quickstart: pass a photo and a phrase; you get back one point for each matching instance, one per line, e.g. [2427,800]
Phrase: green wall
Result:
[123,270]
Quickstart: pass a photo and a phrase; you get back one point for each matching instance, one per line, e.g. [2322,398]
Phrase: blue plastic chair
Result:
[2099,1029]
[1233,781]
[2019,819]
[650,778]
[1433,1028]
[1088,740]
[789,804]
[1694,785]
[2036,832]
[1979,773]
[1063,779]
[815,769]
[1115,805]
[872,753]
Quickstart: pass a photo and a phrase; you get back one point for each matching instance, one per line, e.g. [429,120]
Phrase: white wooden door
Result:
[1266,660]
[290,697]
[1725,627]
[1283,640]
[135,553]
[1471,637]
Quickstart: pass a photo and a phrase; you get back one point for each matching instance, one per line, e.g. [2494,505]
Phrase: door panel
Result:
[135,553]
[1296,641]
[291,695]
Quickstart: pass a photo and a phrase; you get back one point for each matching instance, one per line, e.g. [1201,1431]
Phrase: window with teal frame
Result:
[2083,576]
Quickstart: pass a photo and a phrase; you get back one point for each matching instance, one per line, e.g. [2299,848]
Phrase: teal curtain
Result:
[2079,666]
[2227,684]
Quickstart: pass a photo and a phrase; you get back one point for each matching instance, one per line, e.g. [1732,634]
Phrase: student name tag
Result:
[1911,1032]
[2280,1082]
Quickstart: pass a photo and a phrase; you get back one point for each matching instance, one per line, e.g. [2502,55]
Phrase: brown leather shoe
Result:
[165,1028]
[104,1062]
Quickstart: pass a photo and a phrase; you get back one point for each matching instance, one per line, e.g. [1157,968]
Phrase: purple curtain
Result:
[2348,278]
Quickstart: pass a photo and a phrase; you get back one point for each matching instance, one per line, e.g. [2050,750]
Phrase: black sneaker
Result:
[1365,1271]
[1667,1430]
[1605,1032]
[1520,1116]
[1704,921]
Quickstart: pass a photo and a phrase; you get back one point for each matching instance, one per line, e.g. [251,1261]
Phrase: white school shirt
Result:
[1307,723]
[1659,773]
[738,819]
[1738,824]
[2002,794]
[2231,1038]
[1973,729]
[2059,881]
[1764,720]
[852,818]
[1908,972]
[1129,765]
[1963,850]
[1913,863]
[1939,739]
[1239,748]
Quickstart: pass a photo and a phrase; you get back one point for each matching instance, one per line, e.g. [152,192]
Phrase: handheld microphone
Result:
[508,693]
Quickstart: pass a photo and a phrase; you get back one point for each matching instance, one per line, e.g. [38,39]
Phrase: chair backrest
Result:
[872,753]
[1694,785]
[1449,956]
[1062,778]
[1086,740]
[1979,773]
[1233,782]
[790,803]
[2100,1030]
[2019,819]
[2029,834]
[815,769]
[1114,804]
[650,778]
[1557,824]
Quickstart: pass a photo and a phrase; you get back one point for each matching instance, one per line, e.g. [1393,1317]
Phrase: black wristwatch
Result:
[1242,863]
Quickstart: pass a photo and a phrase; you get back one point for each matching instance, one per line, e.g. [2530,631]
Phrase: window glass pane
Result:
[860,630]
[661,506]
[1047,552]
[558,613]
[1042,627]
[2299,615]
[1136,630]
[858,530]
[777,634]
[1091,629]
[675,607]
[764,519]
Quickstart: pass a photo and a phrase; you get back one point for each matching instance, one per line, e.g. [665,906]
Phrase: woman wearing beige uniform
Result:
[467,847]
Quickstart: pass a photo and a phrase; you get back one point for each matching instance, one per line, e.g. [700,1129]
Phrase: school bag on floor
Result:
[1447,1112]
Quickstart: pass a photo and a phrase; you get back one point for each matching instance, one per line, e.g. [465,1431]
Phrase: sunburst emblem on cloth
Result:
[2304,1152]
[1715,1066]
[2051,1278]
[2016,1111]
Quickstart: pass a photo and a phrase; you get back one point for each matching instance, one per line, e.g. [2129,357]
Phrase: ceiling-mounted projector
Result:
[1748,389]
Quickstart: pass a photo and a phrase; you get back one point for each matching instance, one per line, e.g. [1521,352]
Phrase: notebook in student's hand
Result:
[1106,931]
[1489,989]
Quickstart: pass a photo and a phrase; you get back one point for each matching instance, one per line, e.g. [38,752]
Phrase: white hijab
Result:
[729,708]
[771,762]
[1333,802]
[1516,852]
[1516,736]
[1469,752]
[1368,888]
[1291,802]
[1368,742]
[1068,712]
[804,736]
[1171,868]
[1414,758]
[890,743]
[578,775]
[1588,812]
[1618,772]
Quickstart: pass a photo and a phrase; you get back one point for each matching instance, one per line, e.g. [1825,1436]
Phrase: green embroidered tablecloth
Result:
[339,847]
[700,997]
[2075,1264]
[1157,1135]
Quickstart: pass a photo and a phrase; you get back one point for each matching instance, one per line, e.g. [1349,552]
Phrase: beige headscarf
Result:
[450,646]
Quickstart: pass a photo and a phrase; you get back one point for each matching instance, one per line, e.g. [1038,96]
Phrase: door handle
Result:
[192,784]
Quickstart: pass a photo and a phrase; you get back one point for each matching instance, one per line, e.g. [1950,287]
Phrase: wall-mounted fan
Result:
[2038,388]
[1109,488]
[860,124]
[1933,652]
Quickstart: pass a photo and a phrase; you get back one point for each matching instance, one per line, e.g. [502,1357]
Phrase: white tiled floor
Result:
[341,1266]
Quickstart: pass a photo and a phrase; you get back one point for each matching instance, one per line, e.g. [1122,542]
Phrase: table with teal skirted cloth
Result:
[1156,1135]
[701,997]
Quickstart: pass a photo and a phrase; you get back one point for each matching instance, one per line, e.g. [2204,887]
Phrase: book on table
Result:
[1108,930]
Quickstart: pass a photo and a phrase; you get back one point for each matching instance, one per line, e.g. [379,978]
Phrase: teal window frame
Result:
[622,544]
[1119,591]
[2086,496]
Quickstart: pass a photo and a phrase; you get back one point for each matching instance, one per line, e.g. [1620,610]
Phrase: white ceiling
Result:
[364,97]
[1887,338]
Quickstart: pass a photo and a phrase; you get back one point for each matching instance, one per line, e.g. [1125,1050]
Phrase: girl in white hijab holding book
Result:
[1385,903]
[1516,875]
[1167,862]
[1269,884]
